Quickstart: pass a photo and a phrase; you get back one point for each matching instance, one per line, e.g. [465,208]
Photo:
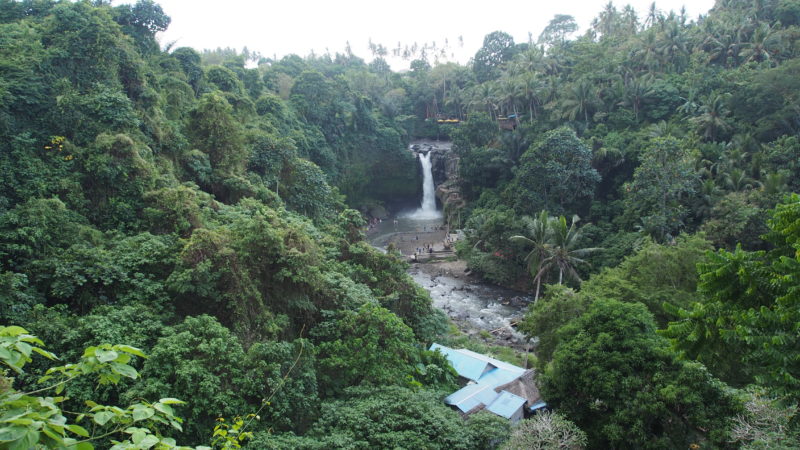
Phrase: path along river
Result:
[474,306]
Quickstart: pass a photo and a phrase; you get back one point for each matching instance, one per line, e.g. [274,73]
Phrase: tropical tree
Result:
[557,31]
[636,93]
[539,238]
[665,176]
[556,175]
[745,329]
[564,253]
[497,49]
[615,378]
[713,117]
[761,45]
[579,99]
[545,431]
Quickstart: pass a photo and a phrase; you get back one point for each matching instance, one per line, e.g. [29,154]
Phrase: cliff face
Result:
[444,166]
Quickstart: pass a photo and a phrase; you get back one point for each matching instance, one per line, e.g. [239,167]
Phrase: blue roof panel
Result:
[466,365]
[538,405]
[487,373]
[498,377]
[470,396]
[506,404]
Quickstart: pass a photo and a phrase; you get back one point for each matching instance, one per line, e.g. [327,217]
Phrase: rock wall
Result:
[444,165]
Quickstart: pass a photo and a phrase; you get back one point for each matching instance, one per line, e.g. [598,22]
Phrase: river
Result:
[472,305]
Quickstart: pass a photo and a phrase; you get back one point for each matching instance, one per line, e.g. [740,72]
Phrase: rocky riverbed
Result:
[475,307]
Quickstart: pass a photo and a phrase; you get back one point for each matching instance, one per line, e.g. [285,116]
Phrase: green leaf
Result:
[44,353]
[166,409]
[138,436]
[12,331]
[4,353]
[106,355]
[131,350]
[79,430]
[171,401]
[149,441]
[141,412]
[84,446]
[52,434]
[102,417]
[24,348]
[124,370]
[28,441]
[24,422]
[9,434]
[32,340]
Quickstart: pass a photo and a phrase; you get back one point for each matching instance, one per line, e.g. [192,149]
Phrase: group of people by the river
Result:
[427,248]
[373,222]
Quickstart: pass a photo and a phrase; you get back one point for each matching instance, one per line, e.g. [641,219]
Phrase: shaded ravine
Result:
[472,305]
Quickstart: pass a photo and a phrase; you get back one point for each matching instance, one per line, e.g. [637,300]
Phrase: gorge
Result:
[473,305]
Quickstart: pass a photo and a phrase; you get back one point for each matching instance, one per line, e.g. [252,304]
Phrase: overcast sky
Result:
[278,28]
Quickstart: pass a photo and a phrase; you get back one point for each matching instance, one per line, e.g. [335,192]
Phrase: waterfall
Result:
[427,209]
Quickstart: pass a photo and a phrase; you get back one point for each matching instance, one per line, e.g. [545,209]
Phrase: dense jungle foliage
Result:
[182,258]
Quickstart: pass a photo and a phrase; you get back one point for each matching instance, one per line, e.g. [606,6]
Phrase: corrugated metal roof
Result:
[471,396]
[495,362]
[479,368]
[506,404]
[466,365]
[538,405]
[497,377]
[487,373]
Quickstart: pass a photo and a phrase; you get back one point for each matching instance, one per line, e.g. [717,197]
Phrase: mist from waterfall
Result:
[427,209]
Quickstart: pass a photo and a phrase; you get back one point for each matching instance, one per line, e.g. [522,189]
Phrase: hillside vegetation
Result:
[182,258]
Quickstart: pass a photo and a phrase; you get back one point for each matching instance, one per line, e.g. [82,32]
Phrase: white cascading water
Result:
[428,208]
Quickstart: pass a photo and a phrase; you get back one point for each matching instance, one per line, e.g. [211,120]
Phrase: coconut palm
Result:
[636,92]
[563,251]
[539,234]
[736,180]
[712,119]
[706,198]
[579,99]
[673,46]
[760,48]
[532,87]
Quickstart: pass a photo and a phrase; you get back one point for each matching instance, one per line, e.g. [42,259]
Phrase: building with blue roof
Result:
[499,387]
[508,405]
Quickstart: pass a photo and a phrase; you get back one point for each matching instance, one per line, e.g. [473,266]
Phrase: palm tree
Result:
[507,90]
[579,99]
[531,87]
[647,53]
[712,119]
[760,46]
[673,48]
[652,15]
[706,198]
[736,180]
[636,93]
[563,251]
[539,234]
[482,96]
